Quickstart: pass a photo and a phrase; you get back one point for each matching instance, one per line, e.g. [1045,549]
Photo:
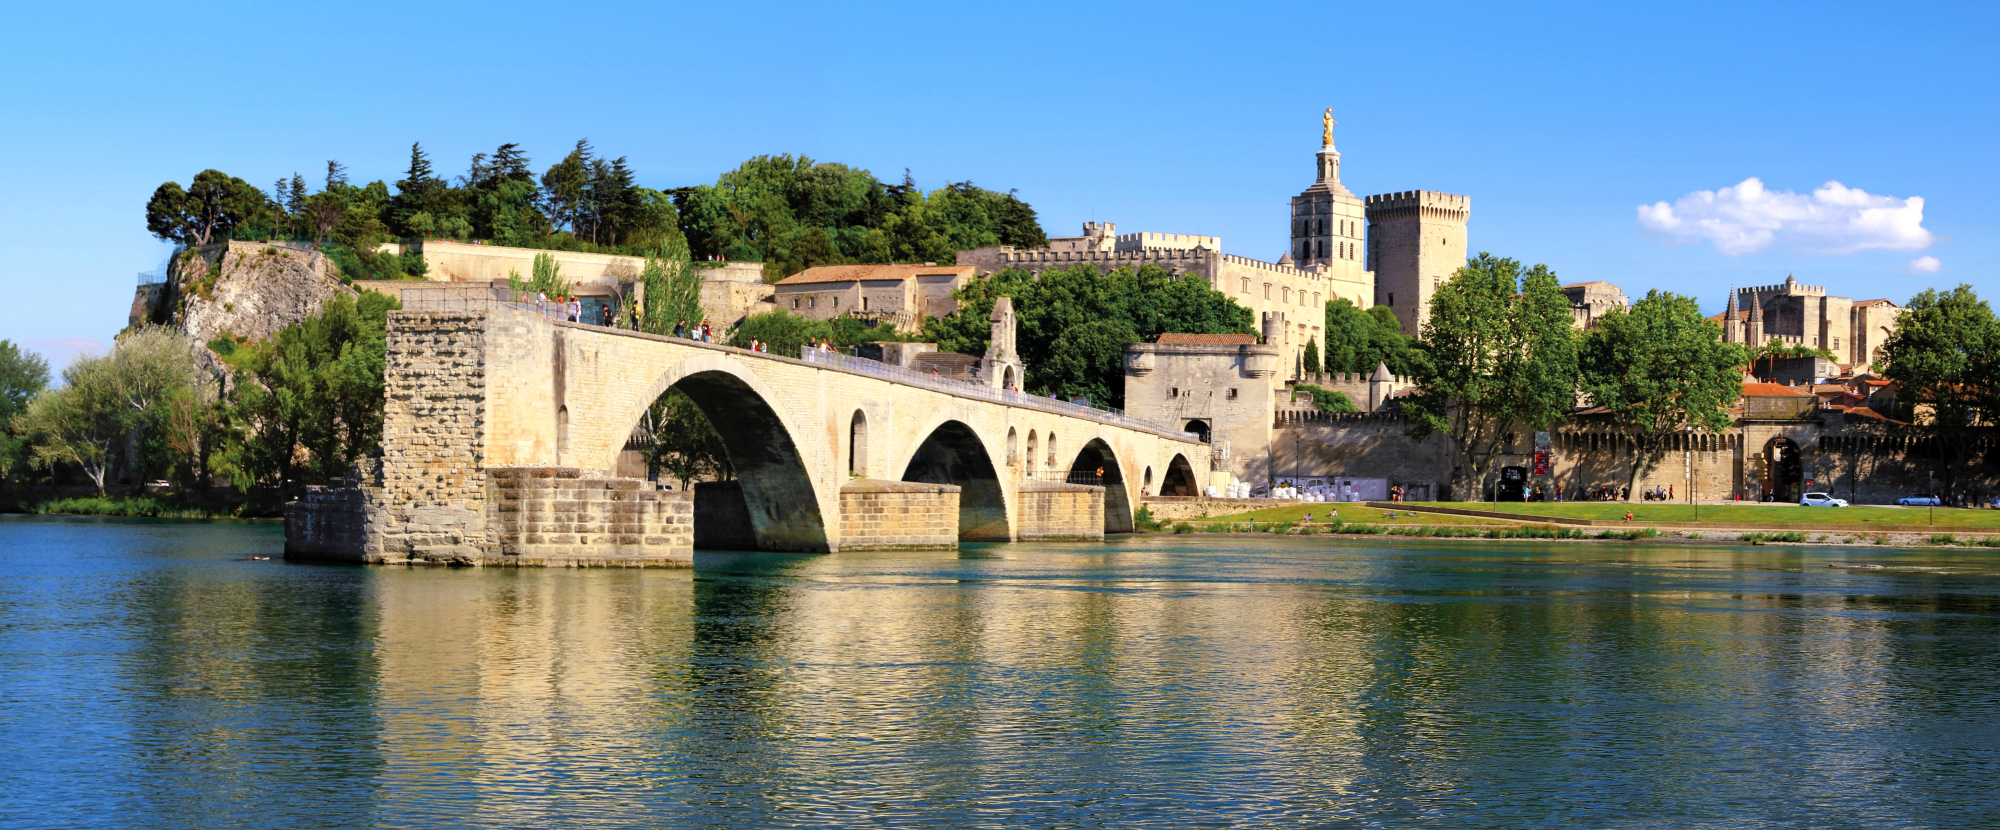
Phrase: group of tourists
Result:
[1660,493]
[759,345]
[700,332]
[567,308]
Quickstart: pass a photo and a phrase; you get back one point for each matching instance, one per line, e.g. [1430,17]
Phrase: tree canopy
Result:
[792,213]
[788,212]
[1357,341]
[1073,324]
[1942,358]
[1661,369]
[1499,361]
[23,375]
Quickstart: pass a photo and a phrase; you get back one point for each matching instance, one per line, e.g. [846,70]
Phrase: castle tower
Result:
[1731,319]
[1416,241]
[1328,221]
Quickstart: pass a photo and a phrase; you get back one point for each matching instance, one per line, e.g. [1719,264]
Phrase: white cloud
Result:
[1834,219]
[1924,265]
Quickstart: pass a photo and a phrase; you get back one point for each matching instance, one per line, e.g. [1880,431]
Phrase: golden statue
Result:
[1327,122]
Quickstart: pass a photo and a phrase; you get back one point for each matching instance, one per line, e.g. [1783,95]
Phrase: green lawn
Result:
[1860,517]
[1322,512]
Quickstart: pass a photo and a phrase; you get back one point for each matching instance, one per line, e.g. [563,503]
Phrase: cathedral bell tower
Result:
[1328,222]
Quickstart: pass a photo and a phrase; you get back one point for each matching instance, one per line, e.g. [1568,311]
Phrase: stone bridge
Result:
[503,429]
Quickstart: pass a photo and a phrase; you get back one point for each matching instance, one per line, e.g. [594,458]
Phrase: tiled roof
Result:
[1774,390]
[1588,284]
[1177,339]
[853,273]
[1864,303]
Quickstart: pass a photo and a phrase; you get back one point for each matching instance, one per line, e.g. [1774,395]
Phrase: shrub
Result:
[1144,521]
[1183,527]
[1943,539]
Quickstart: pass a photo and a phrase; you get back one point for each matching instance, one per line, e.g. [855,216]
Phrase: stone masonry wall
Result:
[433,487]
[895,515]
[328,524]
[553,516]
[1056,510]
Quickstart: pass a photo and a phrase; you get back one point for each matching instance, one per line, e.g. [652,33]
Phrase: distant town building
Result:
[900,294]
[1805,315]
[1590,301]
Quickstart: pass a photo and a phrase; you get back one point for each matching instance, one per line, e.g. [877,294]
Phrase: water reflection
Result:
[1150,682]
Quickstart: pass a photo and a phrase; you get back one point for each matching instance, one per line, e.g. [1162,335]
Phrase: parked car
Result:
[1821,500]
[1920,501]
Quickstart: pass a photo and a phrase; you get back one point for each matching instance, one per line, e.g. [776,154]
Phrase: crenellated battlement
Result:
[1783,289]
[1430,202]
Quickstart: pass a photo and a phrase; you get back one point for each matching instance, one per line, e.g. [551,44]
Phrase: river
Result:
[153,675]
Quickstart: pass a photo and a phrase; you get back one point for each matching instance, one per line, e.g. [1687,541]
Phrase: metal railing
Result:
[1066,477]
[941,383]
[152,277]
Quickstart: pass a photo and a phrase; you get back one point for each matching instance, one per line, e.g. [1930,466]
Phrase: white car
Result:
[1820,500]
[1920,501]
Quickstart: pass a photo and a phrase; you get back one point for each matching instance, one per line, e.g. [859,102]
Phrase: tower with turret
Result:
[1329,224]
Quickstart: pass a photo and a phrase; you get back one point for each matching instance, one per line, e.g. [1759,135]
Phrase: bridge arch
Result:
[1117,501]
[1180,478]
[953,453]
[779,490]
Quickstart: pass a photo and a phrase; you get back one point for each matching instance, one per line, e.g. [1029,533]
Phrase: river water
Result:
[152,675]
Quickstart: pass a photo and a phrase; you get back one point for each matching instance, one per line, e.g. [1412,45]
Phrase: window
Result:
[864,303]
[1246,285]
[1173,392]
[795,302]
[1267,291]
[1836,342]
[1392,298]
[1284,295]
[836,302]
[1316,298]
[1232,394]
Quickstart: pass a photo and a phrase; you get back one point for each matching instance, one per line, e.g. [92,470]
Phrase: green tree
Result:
[1662,370]
[1776,348]
[672,289]
[1329,400]
[106,403]
[1357,341]
[1498,361]
[23,375]
[1140,304]
[685,444]
[308,402]
[781,331]
[210,208]
[1311,356]
[1942,356]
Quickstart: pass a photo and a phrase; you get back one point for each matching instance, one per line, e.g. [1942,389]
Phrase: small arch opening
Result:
[857,445]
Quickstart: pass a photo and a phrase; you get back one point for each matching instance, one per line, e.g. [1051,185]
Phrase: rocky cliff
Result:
[248,289]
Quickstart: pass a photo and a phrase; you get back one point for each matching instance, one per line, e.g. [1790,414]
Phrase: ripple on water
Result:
[157,677]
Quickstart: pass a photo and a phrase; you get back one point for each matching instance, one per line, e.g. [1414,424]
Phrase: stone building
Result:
[1589,301]
[1805,315]
[1222,387]
[1416,241]
[1330,256]
[901,294]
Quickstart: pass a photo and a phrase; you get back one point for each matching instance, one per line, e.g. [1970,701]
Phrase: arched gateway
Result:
[502,429]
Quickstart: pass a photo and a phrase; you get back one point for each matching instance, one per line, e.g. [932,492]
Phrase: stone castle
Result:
[1805,315]
[1392,249]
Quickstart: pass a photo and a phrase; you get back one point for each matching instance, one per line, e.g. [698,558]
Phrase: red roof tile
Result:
[1177,339]
[852,273]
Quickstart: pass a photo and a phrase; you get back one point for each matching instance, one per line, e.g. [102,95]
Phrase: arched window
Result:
[1031,450]
[1052,450]
[1013,446]
[857,445]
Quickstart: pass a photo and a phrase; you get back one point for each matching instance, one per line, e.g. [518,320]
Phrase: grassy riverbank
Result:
[1831,518]
[149,507]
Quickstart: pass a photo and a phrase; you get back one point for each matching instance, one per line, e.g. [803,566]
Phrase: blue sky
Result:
[1559,121]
